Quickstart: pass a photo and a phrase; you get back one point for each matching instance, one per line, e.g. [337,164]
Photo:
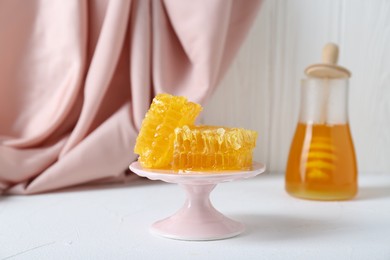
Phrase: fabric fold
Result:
[102,67]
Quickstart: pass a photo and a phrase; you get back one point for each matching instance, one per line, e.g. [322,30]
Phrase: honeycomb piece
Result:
[155,141]
[213,148]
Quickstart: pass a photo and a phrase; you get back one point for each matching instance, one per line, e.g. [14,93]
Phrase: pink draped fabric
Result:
[77,76]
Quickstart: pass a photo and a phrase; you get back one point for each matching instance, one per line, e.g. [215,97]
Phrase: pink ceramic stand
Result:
[197,219]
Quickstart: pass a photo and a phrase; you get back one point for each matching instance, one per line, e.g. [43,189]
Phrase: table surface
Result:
[112,221]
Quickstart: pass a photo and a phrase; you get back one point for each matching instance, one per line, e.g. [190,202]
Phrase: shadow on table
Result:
[373,192]
[2,198]
[261,227]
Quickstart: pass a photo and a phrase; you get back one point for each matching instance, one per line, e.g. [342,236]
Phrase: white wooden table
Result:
[112,221]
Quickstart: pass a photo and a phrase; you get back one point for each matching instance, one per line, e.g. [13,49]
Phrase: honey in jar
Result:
[322,163]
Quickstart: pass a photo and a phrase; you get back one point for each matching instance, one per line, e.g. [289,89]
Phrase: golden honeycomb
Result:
[154,143]
[213,148]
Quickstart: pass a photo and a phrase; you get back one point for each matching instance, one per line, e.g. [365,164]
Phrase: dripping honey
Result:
[322,163]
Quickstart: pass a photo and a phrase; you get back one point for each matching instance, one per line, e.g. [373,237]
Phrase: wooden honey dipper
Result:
[328,68]
[327,71]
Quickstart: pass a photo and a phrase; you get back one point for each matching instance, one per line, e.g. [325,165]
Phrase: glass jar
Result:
[322,163]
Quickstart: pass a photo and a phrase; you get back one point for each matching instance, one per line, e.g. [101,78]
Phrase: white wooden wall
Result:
[261,91]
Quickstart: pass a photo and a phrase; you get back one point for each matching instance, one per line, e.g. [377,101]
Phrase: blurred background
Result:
[261,91]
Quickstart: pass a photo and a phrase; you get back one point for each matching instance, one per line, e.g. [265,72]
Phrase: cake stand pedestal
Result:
[197,219]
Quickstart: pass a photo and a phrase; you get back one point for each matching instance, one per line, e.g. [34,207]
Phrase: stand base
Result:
[197,219]
[190,231]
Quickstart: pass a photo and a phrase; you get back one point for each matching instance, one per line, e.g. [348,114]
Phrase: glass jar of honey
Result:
[322,163]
